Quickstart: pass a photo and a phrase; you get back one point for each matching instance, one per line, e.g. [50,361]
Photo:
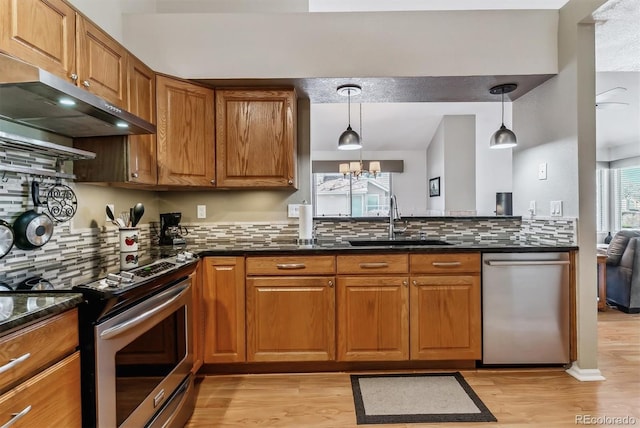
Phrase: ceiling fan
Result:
[602,98]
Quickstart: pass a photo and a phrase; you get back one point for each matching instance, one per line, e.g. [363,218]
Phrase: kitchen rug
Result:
[415,398]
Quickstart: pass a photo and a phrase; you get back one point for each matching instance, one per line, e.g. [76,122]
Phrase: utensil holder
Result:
[129,247]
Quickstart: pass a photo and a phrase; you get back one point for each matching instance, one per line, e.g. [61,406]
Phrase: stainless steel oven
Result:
[142,356]
[136,347]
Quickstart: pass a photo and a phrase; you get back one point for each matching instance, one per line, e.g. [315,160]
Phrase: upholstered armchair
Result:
[623,271]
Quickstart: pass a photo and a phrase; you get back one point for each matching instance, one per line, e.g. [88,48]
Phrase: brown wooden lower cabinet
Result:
[223,309]
[291,318]
[49,399]
[373,318]
[445,317]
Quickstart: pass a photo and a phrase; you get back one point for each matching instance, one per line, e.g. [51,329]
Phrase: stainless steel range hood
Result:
[38,99]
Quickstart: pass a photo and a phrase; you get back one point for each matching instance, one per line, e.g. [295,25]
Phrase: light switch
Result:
[202,211]
[542,171]
[556,208]
[293,210]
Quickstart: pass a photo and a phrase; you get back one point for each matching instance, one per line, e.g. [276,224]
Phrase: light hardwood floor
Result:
[540,397]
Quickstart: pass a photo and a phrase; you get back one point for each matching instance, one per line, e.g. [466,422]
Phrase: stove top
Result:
[117,283]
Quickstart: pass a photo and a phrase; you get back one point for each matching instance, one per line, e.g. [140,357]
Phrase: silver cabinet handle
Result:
[118,329]
[213,181]
[525,262]
[291,266]
[134,175]
[14,362]
[86,83]
[73,76]
[16,417]
[446,264]
[330,284]
[290,182]
[405,283]
[377,265]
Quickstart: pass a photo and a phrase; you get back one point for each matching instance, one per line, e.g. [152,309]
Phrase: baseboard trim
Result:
[584,375]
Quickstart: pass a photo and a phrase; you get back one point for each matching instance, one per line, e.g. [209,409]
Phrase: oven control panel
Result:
[125,279]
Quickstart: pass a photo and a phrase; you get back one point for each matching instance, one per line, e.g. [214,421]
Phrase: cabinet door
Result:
[373,318]
[101,63]
[256,138]
[186,150]
[445,317]
[53,397]
[291,318]
[223,309]
[40,32]
[142,102]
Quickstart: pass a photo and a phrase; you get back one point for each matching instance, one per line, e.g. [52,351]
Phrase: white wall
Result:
[460,163]
[435,168]
[319,44]
[556,123]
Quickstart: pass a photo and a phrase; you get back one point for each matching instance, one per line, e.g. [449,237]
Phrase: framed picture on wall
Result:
[434,187]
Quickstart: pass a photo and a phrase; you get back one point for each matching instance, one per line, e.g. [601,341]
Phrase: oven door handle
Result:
[121,328]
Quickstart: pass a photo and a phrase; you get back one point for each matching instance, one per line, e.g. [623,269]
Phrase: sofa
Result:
[623,271]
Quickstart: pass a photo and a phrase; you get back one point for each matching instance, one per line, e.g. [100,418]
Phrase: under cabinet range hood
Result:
[36,98]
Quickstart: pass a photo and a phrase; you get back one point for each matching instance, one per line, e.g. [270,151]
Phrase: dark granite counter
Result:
[17,309]
[334,247]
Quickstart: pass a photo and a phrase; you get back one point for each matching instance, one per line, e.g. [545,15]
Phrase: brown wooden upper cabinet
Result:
[125,160]
[51,35]
[185,138]
[256,138]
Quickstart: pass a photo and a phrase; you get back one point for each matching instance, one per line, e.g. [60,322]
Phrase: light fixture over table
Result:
[356,168]
[504,137]
[349,139]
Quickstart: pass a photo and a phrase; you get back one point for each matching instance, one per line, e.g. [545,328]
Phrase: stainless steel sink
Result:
[395,242]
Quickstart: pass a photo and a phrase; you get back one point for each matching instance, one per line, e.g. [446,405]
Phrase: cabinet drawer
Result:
[36,347]
[49,399]
[445,263]
[315,265]
[372,264]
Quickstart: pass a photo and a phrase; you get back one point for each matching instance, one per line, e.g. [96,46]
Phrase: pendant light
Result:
[504,137]
[349,139]
[356,169]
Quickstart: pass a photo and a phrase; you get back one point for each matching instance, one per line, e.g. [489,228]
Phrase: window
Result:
[626,194]
[335,195]
[602,200]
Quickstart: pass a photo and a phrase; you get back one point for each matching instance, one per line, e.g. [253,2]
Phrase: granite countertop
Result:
[20,308]
[243,248]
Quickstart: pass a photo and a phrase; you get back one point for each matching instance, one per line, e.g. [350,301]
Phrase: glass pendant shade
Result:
[349,140]
[503,138]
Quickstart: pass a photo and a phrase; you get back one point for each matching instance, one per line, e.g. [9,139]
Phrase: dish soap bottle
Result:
[608,238]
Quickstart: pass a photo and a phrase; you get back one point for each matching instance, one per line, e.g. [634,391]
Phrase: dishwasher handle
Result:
[525,262]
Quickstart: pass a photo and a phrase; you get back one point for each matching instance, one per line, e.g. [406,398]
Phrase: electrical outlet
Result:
[202,211]
[112,206]
[542,171]
[556,208]
[532,207]
[293,210]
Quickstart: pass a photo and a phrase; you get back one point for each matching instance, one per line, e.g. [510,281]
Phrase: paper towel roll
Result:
[305,222]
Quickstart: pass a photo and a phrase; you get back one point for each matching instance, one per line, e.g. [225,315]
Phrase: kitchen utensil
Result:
[138,212]
[6,238]
[35,283]
[126,218]
[61,202]
[110,214]
[33,229]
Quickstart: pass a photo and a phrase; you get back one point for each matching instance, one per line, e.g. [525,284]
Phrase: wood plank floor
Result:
[540,397]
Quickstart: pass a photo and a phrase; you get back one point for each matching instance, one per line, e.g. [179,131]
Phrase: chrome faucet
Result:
[393,216]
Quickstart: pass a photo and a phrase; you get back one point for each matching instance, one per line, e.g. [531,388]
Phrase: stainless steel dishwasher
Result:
[525,308]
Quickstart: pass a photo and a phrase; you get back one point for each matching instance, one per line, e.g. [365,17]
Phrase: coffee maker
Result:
[170,229]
